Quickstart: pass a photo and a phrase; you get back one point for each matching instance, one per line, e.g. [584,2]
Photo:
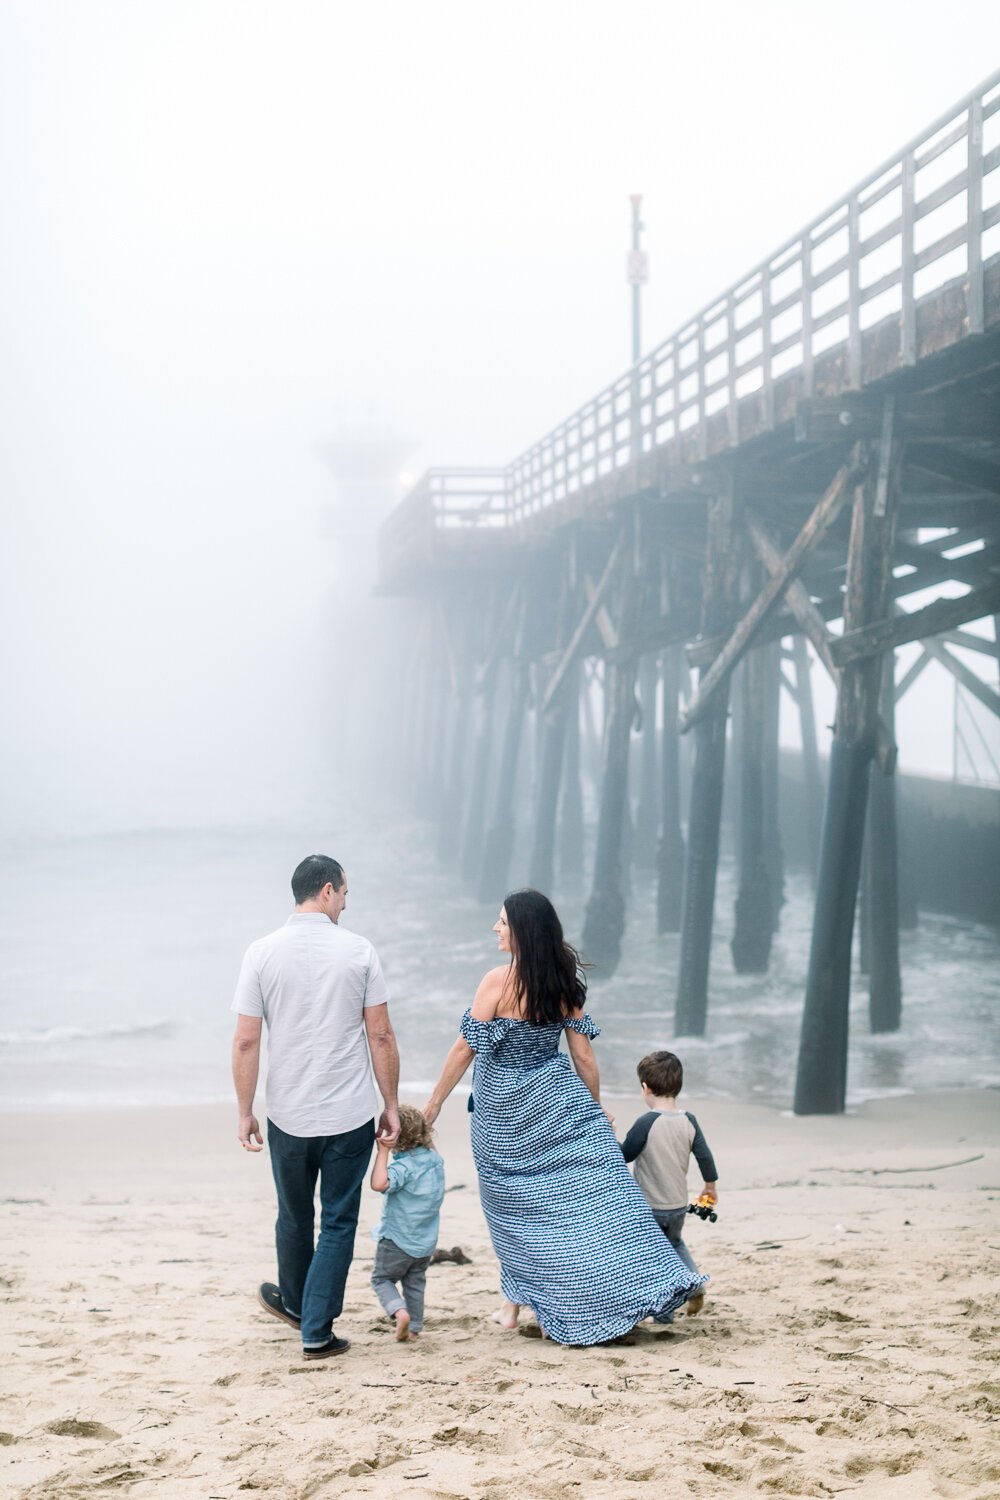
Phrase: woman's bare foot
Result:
[695,1304]
[402,1325]
[508,1315]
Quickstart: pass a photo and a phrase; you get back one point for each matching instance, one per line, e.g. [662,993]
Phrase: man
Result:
[321,991]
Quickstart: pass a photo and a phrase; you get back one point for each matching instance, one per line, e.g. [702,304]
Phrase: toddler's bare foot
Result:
[695,1304]
[402,1325]
[508,1315]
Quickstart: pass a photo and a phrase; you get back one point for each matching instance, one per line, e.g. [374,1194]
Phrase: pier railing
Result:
[927,218]
[444,505]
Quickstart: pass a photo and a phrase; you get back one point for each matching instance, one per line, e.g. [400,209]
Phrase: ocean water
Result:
[118,957]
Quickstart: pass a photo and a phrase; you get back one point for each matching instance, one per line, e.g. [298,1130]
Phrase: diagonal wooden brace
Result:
[797,596]
[593,605]
[917,625]
[815,528]
[968,679]
[910,676]
[813,627]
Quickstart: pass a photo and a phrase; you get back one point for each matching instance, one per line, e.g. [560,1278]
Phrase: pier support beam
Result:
[754,915]
[570,836]
[774,854]
[811,776]
[404,762]
[821,1080]
[460,684]
[487,690]
[542,867]
[552,714]
[707,771]
[646,819]
[670,849]
[430,782]
[425,676]
[591,745]
[604,919]
[498,845]
[885,993]
[475,807]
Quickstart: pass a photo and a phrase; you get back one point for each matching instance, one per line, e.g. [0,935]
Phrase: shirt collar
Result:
[307,916]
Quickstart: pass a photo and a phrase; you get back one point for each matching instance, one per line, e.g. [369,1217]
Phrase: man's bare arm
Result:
[246,1067]
[385,1065]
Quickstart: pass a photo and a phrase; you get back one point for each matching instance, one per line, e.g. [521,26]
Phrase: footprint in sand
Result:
[891,1463]
[70,1427]
[723,1470]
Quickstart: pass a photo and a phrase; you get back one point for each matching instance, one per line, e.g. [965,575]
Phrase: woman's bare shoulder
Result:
[490,994]
[493,981]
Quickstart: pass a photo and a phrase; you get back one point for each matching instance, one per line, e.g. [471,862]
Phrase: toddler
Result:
[413,1184]
[661,1143]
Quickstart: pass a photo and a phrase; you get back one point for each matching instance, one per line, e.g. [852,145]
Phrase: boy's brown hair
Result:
[414,1130]
[662,1074]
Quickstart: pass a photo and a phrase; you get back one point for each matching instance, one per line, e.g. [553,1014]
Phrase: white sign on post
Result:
[637,265]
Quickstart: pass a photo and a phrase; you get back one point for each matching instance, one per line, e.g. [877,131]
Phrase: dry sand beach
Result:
[848,1344]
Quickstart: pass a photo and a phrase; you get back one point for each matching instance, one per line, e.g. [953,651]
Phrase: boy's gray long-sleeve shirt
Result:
[661,1144]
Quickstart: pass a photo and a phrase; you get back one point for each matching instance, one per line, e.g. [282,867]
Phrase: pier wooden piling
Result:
[821,1079]
[718,592]
[753,921]
[647,809]
[570,835]
[885,991]
[498,842]
[670,850]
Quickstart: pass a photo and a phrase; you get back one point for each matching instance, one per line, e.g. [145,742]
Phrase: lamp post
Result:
[638,272]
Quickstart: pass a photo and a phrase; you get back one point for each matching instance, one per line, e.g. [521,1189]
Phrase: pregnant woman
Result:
[575,1238]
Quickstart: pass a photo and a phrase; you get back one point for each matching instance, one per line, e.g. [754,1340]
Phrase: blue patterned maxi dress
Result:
[575,1238]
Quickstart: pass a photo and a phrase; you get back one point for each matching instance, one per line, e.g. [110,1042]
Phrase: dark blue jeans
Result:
[311,1280]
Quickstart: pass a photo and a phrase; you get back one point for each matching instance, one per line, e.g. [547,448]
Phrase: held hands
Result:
[388,1127]
[248,1132]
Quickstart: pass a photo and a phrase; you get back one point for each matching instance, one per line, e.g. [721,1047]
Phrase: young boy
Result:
[661,1143]
[414,1187]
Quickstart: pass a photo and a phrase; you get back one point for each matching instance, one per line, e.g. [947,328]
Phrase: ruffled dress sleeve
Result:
[582,1024]
[484,1036]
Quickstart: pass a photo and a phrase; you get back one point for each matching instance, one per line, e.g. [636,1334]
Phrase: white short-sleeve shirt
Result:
[312,981]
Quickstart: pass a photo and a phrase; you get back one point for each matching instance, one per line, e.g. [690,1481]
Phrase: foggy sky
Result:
[233,231]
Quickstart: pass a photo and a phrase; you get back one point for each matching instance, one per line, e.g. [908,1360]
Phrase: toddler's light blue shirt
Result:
[413,1201]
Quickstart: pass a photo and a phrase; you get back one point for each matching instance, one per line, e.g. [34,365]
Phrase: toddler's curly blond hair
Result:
[414,1130]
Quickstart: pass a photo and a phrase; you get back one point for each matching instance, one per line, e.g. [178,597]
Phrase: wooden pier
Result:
[806,454]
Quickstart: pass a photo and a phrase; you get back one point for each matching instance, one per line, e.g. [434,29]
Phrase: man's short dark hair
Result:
[662,1074]
[315,871]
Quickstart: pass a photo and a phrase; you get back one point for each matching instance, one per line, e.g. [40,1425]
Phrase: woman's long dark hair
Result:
[549,979]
